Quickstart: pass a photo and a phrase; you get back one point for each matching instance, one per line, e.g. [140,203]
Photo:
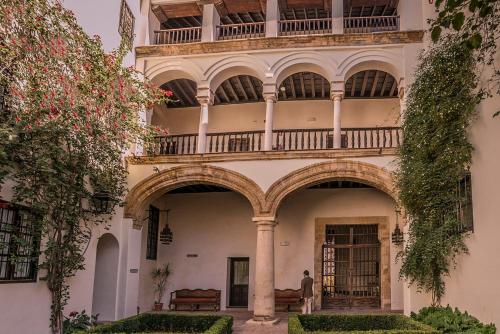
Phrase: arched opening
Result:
[239,89]
[375,84]
[105,278]
[325,212]
[184,93]
[304,86]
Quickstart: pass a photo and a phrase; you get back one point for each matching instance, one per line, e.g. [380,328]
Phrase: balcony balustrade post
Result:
[268,134]
[338,17]
[337,111]
[264,310]
[211,20]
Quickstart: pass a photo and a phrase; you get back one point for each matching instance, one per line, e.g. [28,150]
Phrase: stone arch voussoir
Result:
[375,176]
[172,178]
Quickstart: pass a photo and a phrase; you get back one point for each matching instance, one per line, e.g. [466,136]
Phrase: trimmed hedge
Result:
[168,323]
[450,321]
[352,324]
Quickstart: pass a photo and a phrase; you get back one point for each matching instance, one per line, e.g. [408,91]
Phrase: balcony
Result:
[283,140]
[238,19]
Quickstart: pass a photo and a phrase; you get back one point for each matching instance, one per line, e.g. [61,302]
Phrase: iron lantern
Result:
[103,203]
[166,235]
[397,235]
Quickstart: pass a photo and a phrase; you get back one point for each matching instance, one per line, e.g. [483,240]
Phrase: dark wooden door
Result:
[351,266]
[239,277]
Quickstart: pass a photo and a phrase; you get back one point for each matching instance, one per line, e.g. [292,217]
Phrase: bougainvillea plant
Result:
[436,151]
[71,112]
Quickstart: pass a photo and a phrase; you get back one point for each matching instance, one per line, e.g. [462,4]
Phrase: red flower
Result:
[73,314]
[168,93]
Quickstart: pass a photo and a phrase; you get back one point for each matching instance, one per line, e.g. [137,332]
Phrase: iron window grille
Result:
[19,244]
[153,227]
[464,204]
[126,25]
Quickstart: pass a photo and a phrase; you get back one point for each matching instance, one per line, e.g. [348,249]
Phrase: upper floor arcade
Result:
[324,101]
[181,22]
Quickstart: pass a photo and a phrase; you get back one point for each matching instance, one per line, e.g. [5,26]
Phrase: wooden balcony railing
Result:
[305,27]
[225,142]
[369,24]
[283,140]
[241,30]
[178,36]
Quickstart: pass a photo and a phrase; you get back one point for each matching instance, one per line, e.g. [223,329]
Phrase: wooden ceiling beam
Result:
[159,13]
[224,94]
[374,86]
[363,85]
[353,85]
[177,84]
[302,85]
[292,86]
[313,86]
[323,87]
[238,81]
[252,88]
[393,88]
[384,83]
[229,85]
[263,6]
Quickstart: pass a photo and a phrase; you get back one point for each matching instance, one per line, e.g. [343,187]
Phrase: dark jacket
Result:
[306,287]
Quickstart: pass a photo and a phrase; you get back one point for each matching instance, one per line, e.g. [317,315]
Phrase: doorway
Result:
[351,266]
[238,281]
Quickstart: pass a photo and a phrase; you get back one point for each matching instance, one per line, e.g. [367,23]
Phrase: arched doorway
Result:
[105,278]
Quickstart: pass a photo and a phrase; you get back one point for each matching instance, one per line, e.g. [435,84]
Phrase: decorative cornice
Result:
[283,42]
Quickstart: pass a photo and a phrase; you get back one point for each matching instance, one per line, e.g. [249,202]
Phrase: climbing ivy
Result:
[436,150]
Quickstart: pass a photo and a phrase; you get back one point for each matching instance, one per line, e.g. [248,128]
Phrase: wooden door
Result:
[239,277]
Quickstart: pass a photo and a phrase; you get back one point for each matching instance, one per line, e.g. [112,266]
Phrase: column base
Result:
[263,321]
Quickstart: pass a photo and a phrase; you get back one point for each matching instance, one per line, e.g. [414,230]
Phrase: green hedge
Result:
[168,323]
[450,321]
[352,324]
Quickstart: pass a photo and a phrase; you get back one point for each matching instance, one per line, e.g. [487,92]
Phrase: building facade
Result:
[281,147]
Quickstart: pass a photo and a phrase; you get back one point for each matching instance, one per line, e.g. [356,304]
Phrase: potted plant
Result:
[160,276]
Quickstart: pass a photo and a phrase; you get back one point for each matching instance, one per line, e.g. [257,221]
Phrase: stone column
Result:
[337,16]
[264,271]
[337,126]
[211,19]
[203,126]
[270,99]
[272,18]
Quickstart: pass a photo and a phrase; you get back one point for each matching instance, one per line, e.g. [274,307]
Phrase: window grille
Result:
[19,244]
[126,26]
[464,204]
[153,227]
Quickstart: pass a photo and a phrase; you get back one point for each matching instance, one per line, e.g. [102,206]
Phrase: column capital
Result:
[336,95]
[270,97]
[265,221]
[205,96]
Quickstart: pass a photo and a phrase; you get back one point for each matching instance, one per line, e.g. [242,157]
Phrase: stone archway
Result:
[348,170]
[172,178]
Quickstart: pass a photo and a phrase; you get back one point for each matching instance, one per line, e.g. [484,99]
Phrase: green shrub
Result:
[447,320]
[351,324]
[168,323]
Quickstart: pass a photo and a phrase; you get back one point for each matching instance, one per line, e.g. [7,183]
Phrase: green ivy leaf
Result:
[458,21]
[475,41]
[436,33]
[473,5]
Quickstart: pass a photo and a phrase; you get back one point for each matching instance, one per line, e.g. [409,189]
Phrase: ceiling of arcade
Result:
[298,86]
[189,14]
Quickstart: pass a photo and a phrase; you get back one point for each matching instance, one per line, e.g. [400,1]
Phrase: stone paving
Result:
[240,325]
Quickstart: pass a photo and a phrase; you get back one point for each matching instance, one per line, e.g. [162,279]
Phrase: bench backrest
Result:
[286,293]
[197,293]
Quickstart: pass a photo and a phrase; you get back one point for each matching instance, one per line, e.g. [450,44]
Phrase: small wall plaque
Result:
[284,243]
[134,271]
[192,255]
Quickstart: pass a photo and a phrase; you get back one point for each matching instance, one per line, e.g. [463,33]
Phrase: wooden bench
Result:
[195,298]
[287,297]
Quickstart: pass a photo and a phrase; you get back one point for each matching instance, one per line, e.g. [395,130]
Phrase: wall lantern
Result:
[166,235]
[103,203]
[397,235]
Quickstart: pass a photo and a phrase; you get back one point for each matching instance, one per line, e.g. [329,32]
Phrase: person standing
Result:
[306,287]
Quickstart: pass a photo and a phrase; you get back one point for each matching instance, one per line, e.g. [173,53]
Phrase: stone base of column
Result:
[263,321]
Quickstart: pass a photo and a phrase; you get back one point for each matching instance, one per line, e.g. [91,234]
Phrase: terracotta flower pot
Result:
[158,307]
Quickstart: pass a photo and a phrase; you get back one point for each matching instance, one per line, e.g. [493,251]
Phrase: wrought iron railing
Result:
[369,24]
[283,140]
[241,30]
[305,27]
[178,36]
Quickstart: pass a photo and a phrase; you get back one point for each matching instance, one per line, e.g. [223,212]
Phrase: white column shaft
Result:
[337,16]
[264,271]
[337,126]
[202,129]
[211,20]
[268,135]
[272,18]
